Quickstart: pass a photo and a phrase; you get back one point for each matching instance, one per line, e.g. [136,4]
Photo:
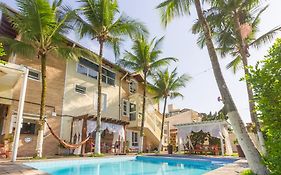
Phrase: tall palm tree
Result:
[99,20]
[144,59]
[173,8]
[166,85]
[40,27]
[235,25]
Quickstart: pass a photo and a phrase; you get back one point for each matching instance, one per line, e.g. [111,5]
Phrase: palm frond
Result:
[235,64]
[19,48]
[265,38]
[172,8]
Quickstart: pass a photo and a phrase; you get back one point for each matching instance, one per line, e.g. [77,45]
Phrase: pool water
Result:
[140,165]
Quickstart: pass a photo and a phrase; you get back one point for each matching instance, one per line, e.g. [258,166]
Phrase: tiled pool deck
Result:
[8,168]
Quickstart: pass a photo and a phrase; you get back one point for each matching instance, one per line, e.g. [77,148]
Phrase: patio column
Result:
[19,115]
[221,139]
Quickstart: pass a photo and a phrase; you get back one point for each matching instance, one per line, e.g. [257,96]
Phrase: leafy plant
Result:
[247,172]
[266,81]
[2,52]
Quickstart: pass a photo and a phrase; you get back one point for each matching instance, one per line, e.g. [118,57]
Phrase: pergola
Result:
[216,128]
[83,125]
[10,75]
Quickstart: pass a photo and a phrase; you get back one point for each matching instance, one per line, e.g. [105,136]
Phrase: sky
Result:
[201,93]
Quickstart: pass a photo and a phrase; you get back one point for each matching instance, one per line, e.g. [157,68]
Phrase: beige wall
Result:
[55,87]
[76,104]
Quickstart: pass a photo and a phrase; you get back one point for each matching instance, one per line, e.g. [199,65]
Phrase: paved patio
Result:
[8,168]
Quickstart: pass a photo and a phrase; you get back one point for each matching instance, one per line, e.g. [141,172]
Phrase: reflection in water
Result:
[129,167]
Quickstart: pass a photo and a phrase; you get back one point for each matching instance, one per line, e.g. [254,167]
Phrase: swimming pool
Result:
[139,165]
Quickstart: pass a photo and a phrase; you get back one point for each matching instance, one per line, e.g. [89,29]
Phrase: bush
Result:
[247,172]
[2,53]
[266,82]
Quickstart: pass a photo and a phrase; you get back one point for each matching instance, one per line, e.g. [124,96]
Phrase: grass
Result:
[247,172]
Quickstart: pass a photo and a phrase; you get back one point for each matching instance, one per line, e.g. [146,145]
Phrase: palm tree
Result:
[98,20]
[173,8]
[40,27]
[144,59]
[235,26]
[166,85]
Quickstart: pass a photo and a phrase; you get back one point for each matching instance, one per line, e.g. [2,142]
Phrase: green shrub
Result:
[2,53]
[266,81]
[247,172]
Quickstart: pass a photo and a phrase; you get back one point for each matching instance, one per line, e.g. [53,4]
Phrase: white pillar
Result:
[228,148]
[221,138]
[19,116]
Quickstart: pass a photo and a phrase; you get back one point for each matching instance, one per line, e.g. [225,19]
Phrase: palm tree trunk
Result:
[251,153]
[162,126]
[41,122]
[98,129]
[243,53]
[143,113]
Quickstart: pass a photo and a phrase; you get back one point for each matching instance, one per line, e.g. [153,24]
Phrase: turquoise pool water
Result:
[140,165]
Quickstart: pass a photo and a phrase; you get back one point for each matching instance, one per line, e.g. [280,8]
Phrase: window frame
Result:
[81,93]
[136,84]
[107,78]
[132,112]
[135,140]
[32,77]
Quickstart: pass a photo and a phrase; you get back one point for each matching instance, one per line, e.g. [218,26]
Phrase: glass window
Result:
[80,89]
[34,74]
[82,69]
[93,74]
[125,107]
[133,112]
[90,69]
[135,139]
[132,86]
[28,128]
[103,101]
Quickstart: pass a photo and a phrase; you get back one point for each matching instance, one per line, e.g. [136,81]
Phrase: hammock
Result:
[67,145]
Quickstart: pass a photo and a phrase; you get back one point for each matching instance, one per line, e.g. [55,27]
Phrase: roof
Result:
[7,29]
[202,123]
[104,119]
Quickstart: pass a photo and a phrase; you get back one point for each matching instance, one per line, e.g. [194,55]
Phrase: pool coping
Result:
[9,168]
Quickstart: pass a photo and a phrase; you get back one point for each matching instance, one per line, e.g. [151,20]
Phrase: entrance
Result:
[3,115]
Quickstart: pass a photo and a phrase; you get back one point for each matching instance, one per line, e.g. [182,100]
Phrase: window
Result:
[82,69]
[34,74]
[80,89]
[91,69]
[133,112]
[103,101]
[133,86]
[125,108]
[28,128]
[108,77]
[135,139]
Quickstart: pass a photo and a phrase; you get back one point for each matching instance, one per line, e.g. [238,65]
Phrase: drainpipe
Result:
[120,86]
[19,117]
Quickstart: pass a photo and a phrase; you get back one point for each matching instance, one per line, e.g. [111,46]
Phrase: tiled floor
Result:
[18,169]
[231,169]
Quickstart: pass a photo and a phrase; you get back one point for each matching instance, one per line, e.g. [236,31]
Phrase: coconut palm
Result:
[40,26]
[99,20]
[173,8]
[166,85]
[144,59]
[235,25]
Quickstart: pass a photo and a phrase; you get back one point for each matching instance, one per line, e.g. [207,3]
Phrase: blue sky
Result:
[201,92]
